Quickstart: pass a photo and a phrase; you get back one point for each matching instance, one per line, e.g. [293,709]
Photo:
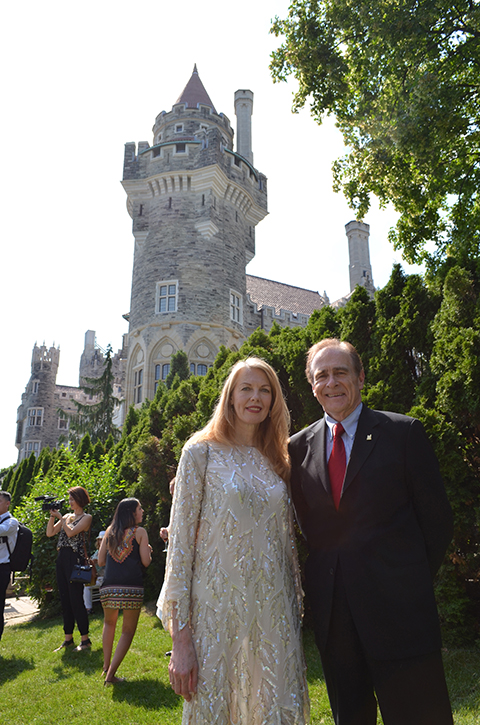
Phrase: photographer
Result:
[8,532]
[72,530]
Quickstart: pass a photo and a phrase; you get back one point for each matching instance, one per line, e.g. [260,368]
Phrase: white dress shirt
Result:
[350,427]
[8,528]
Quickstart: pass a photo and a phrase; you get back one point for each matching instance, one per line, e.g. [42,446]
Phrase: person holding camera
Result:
[72,529]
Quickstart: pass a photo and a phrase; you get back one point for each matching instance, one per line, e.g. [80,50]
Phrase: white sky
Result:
[82,79]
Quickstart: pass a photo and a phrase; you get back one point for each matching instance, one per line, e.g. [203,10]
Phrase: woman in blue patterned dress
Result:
[123,551]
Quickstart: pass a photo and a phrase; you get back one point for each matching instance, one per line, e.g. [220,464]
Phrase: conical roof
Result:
[195,93]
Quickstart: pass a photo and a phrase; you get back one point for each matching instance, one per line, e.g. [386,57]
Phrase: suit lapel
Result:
[316,445]
[368,431]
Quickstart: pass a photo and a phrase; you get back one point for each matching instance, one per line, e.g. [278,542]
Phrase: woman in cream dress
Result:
[231,596]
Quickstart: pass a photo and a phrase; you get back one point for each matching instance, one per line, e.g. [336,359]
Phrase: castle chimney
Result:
[243,112]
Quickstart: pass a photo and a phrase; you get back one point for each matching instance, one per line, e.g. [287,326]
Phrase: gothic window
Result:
[201,369]
[35,385]
[31,447]
[236,307]
[137,386]
[35,416]
[192,368]
[18,437]
[165,370]
[167,293]
[62,423]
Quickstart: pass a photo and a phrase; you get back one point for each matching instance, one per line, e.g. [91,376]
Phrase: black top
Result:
[124,568]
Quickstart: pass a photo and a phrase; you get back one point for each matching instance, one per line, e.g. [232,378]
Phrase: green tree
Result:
[178,366]
[398,372]
[96,418]
[22,479]
[105,488]
[401,79]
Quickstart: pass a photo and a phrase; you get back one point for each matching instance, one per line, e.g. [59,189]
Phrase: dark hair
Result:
[6,495]
[123,519]
[333,342]
[79,495]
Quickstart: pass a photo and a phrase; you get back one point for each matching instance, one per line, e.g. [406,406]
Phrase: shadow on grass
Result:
[148,693]
[314,668]
[11,667]
[462,669]
[88,662]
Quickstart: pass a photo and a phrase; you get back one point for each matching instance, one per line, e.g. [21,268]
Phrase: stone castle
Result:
[194,203]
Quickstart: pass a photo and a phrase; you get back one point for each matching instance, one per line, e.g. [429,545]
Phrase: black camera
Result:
[49,503]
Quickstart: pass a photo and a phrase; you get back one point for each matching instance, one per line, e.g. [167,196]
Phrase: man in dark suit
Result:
[372,507]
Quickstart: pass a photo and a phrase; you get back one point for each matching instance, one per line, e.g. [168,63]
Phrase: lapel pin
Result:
[369,437]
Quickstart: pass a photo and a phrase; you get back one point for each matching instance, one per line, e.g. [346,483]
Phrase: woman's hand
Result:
[53,527]
[73,527]
[183,666]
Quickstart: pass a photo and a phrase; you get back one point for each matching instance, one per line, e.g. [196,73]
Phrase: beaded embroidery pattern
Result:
[125,548]
[235,578]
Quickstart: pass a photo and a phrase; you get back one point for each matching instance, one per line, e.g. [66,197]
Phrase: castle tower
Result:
[358,249]
[37,418]
[194,203]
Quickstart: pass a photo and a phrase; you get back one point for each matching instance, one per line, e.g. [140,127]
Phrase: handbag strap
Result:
[207,456]
[204,478]
[87,558]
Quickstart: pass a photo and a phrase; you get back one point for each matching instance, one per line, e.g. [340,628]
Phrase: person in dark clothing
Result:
[123,551]
[72,529]
[372,506]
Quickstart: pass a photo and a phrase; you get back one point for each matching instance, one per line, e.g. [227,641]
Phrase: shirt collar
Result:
[349,424]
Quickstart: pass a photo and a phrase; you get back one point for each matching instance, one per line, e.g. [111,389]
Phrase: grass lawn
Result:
[48,688]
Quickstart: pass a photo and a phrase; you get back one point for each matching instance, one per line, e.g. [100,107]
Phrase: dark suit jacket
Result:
[389,535]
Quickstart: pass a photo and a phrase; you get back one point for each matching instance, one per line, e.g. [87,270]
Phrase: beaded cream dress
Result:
[239,588]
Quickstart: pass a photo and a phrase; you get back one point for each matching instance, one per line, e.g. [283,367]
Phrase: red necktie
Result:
[337,463]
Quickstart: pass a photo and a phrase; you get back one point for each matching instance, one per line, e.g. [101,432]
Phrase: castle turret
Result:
[360,269]
[194,204]
[37,419]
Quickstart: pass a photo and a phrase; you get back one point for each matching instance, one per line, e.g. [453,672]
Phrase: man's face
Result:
[4,504]
[336,385]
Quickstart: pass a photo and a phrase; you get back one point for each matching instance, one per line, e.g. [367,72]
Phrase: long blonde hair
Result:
[272,434]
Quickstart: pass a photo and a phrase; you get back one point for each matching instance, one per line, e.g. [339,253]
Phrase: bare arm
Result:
[183,666]
[145,548]
[53,527]
[72,529]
